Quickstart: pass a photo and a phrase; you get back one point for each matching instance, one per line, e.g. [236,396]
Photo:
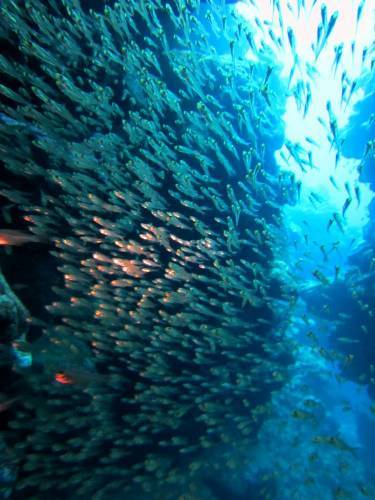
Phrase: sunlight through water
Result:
[316,74]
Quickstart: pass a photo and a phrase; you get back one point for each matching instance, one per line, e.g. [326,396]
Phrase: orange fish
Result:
[16,237]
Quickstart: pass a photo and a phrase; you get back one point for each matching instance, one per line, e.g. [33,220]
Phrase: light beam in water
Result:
[325,61]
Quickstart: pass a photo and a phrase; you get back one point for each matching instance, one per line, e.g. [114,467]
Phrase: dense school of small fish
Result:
[152,153]
[163,215]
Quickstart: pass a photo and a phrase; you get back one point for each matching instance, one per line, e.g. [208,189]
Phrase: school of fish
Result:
[145,140]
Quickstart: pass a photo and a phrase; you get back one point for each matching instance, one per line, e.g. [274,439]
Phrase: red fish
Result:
[63,378]
[78,376]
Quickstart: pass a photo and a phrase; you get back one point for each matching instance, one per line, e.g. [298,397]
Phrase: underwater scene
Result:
[187,249]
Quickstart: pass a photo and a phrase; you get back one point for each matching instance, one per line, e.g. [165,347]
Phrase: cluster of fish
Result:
[161,202]
[341,292]
[316,257]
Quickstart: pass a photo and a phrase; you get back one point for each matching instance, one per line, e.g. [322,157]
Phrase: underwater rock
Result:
[349,304]
[13,314]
